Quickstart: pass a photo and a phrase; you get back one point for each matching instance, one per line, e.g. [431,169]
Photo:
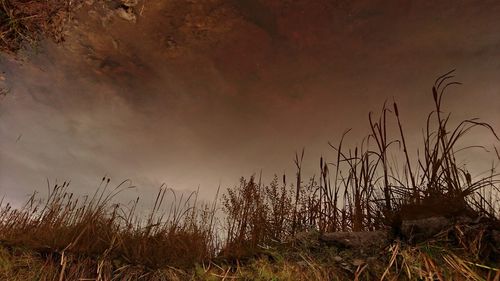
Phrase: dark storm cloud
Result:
[195,94]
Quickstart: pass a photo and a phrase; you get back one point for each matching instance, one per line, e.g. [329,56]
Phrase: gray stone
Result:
[423,229]
[360,240]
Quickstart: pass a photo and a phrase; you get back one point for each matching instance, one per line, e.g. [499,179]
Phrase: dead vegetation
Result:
[367,192]
[108,236]
[363,218]
[26,21]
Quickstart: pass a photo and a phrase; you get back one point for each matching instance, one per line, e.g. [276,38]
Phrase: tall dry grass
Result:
[364,190]
[96,228]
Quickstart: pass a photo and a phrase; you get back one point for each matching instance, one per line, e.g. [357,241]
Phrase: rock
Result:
[126,14]
[337,258]
[423,229]
[359,240]
[308,239]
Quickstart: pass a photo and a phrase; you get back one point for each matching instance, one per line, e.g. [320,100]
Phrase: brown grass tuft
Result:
[24,22]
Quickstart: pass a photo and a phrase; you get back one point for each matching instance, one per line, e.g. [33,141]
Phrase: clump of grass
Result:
[24,22]
[363,190]
[435,261]
[439,184]
[255,215]
[110,236]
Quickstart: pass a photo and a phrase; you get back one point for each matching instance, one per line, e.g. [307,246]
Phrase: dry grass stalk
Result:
[64,226]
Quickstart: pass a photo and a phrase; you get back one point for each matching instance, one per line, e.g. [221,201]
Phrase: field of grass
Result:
[280,230]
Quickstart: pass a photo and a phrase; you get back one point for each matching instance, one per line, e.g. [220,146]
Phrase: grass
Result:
[24,22]
[273,231]
[106,235]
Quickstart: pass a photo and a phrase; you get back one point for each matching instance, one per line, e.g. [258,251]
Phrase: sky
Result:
[200,93]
